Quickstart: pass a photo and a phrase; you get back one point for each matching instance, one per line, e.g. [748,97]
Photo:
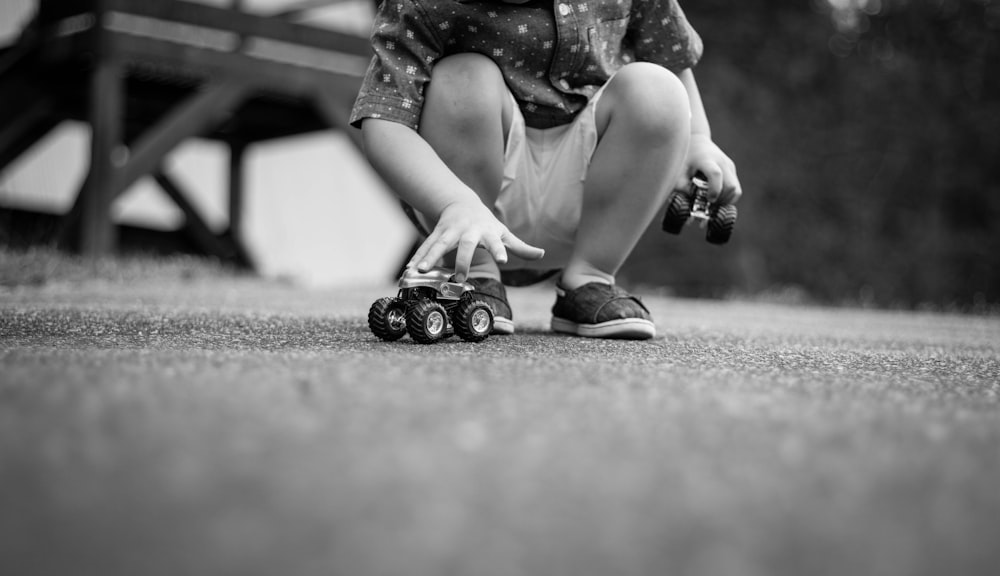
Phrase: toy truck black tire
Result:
[473,319]
[678,212]
[721,223]
[387,319]
[427,322]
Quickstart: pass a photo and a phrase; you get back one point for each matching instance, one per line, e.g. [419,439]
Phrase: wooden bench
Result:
[148,75]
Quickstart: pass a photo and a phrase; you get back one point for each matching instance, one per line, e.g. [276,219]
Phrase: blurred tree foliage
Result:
[867,138]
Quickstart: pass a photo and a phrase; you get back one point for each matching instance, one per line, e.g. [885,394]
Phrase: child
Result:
[539,135]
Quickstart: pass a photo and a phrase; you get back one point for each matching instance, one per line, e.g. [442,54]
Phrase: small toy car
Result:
[430,306]
[694,206]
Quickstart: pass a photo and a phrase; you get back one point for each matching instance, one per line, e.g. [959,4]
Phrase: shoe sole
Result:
[503,326]
[626,329]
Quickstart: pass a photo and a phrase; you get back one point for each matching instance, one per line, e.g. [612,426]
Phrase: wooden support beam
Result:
[187,120]
[194,226]
[303,7]
[244,24]
[237,155]
[98,233]
[68,231]
[227,77]
[23,50]
[150,149]
[21,134]
[260,73]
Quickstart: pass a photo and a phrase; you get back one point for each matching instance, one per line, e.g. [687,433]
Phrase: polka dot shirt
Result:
[553,54]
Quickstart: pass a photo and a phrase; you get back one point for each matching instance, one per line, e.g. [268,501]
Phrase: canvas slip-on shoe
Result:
[495,294]
[597,310]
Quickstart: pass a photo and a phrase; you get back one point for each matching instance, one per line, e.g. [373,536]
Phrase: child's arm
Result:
[422,180]
[704,155]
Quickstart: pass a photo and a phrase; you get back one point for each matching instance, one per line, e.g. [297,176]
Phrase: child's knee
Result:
[467,68]
[468,76]
[464,88]
[651,98]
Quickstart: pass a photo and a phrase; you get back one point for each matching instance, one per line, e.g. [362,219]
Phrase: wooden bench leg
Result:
[90,217]
[237,151]
[98,233]
[194,225]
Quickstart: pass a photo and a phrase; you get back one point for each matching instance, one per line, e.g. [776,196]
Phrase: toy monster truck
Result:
[430,307]
[694,206]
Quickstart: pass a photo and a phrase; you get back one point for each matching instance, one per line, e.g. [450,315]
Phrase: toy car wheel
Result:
[720,225]
[473,320]
[387,318]
[678,212]
[427,322]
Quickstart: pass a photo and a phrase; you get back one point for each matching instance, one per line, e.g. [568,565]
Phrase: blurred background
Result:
[314,212]
[867,138]
[866,134]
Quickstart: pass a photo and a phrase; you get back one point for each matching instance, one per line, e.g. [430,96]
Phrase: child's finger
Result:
[437,251]
[731,189]
[463,257]
[522,249]
[713,174]
[432,250]
[494,245]
[421,252]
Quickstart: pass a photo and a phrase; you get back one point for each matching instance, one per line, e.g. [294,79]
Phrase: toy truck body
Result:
[431,306]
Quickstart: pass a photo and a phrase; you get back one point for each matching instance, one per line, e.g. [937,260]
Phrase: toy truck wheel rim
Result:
[387,318]
[473,319]
[396,317]
[426,322]
[434,324]
[480,321]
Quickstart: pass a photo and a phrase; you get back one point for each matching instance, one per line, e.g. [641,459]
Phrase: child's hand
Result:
[466,225]
[705,157]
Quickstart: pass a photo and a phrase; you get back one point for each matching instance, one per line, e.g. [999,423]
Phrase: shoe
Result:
[495,294]
[598,310]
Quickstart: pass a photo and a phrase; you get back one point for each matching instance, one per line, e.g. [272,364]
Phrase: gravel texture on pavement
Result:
[235,426]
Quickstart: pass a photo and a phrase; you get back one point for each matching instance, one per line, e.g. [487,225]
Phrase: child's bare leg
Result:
[644,126]
[465,119]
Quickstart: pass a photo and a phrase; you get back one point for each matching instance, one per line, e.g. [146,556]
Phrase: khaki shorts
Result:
[542,191]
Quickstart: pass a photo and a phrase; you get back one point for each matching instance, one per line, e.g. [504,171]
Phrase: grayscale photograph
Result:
[499,287]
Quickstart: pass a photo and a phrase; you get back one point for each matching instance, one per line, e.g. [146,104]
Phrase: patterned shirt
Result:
[554,54]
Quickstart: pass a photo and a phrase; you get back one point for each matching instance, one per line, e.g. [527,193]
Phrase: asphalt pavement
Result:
[235,426]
